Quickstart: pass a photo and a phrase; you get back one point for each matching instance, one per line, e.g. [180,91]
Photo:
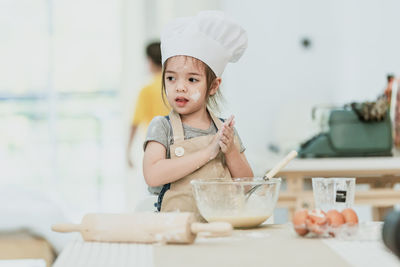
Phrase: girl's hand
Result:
[227,136]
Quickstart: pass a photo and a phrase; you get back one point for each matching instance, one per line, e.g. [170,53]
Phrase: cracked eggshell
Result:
[317,221]
[317,216]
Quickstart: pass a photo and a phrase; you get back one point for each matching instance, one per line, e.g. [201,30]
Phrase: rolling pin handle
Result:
[66,227]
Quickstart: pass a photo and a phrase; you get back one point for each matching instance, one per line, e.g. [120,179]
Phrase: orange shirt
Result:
[149,103]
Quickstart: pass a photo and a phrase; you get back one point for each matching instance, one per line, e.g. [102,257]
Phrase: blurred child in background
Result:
[149,103]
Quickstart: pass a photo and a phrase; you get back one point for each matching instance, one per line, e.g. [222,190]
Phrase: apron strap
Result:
[177,127]
[216,120]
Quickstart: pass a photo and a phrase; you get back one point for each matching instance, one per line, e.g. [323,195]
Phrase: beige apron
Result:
[180,196]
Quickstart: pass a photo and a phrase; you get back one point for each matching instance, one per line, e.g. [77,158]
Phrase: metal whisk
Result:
[281,164]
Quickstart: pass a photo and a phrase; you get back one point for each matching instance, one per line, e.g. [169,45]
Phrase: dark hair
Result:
[390,77]
[212,102]
[153,51]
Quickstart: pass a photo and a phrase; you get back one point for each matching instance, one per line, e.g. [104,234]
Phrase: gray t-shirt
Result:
[160,130]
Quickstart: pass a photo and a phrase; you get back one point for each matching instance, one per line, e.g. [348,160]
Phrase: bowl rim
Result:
[236,181]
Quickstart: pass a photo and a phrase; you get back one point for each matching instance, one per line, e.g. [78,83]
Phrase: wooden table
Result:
[270,245]
[21,245]
[381,173]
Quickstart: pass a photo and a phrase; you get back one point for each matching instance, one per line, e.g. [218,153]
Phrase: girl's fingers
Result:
[227,137]
[225,144]
[232,121]
[228,133]
[227,128]
[223,139]
[229,120]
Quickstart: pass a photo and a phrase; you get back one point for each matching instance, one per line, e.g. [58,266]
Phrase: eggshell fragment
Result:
[335,218]
[315,228]
[299,222]
[317,217]
[350,216]
[316,221]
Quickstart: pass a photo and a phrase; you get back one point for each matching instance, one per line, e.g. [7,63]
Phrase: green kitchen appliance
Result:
[350,136]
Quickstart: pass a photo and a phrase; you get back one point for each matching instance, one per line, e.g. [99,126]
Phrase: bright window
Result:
[60,118]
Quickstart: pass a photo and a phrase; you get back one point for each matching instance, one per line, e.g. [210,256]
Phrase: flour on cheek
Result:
[195,96]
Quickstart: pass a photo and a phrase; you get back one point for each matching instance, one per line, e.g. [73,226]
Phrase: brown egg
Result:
[350,216]
[299,222]
[316,221]
[335,218]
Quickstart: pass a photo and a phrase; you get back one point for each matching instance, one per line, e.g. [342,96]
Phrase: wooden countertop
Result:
[270,245]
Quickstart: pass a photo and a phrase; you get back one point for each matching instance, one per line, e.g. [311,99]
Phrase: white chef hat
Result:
[210,36]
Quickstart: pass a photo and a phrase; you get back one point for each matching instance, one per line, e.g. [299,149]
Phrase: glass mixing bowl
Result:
[225,200]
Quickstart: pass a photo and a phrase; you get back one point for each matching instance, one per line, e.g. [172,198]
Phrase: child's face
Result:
[186,84]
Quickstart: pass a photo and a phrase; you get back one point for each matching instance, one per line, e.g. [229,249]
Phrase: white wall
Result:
[272,89]
[160,12]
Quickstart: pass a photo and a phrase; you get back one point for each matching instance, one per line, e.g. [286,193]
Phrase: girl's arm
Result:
[237,162]
[158,170]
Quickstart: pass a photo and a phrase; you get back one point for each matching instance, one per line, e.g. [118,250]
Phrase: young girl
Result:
[192,143]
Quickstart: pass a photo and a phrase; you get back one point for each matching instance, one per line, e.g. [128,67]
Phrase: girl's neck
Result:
[200,119]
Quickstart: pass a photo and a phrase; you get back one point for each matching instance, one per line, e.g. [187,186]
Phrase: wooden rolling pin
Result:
[145,227]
